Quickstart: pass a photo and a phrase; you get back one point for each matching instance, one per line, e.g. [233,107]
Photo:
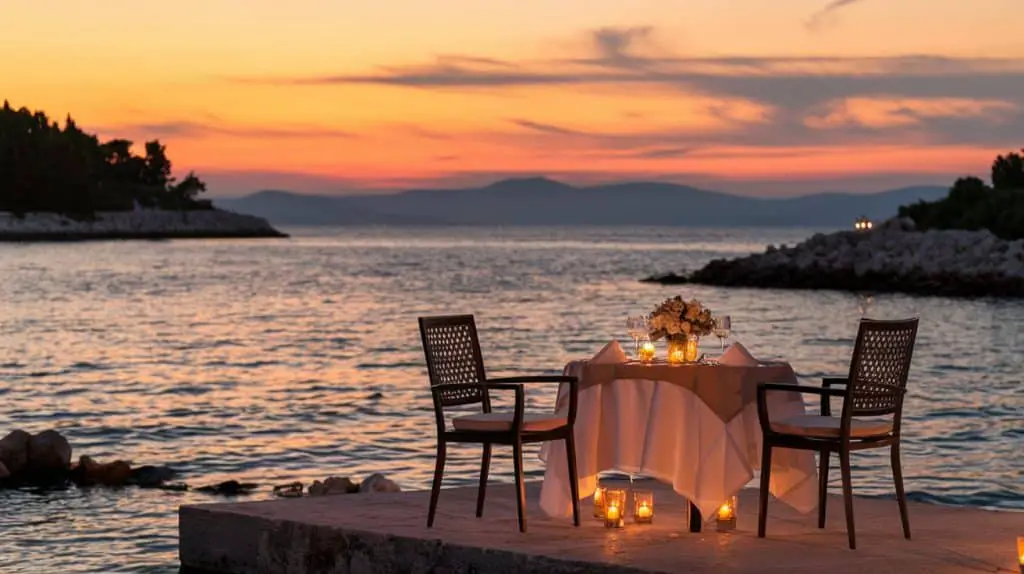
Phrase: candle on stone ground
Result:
[599,502]
[726,515]
[643,507]
[614,504]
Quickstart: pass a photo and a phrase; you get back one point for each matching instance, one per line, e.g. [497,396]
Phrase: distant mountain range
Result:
[541,201]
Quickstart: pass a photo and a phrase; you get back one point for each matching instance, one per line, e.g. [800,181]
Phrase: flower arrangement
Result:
[677,320]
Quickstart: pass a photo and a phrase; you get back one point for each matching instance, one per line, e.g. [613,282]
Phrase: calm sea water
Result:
[280,360]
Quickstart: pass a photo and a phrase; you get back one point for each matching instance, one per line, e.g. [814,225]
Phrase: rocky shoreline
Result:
[140,224]
[43,460]
[891,258]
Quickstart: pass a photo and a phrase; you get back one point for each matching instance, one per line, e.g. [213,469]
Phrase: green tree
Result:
[972,204]
[1008,172]
[44,167]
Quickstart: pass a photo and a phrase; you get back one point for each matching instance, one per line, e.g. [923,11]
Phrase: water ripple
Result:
[271,362]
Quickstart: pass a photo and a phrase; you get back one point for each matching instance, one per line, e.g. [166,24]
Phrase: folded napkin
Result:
[610,354]
[737,356]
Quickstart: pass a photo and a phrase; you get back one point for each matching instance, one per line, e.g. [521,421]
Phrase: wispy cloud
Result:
[766,101]
[821,17]
[186,128]
[547,128]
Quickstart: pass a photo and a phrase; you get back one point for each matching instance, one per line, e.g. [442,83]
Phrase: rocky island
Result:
[970,244]
[61,183]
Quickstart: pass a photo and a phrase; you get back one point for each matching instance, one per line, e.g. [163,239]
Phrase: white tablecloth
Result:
[665,430]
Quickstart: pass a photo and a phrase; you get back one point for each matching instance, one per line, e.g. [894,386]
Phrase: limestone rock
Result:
[149,476]
[333,485]
[893,257]
[14,451]
[378,483]
[228,488]
[291,490]
[48,452]
[89,472]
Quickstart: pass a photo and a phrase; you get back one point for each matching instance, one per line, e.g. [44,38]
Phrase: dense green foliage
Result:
[44,168]
[972,204]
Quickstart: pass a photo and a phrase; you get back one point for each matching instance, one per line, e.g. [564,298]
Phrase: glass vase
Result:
[683,350]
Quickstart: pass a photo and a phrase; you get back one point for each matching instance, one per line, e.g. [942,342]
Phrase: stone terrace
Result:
[387,533]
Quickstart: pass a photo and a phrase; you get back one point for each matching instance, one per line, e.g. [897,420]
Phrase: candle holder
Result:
[676,351]
[599,496]
[726,515]
[692,349]
[1020,553]
[643,507]
[614,508]
[647,352]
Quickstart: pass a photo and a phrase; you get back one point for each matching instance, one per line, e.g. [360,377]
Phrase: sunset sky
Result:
[770,97]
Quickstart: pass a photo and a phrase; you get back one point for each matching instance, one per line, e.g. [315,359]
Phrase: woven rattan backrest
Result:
[453,356]
[880,366]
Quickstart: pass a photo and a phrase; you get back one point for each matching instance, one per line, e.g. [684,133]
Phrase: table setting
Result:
[685,419]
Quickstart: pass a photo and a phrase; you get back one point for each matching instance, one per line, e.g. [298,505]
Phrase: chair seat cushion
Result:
[499,422]
[817,426]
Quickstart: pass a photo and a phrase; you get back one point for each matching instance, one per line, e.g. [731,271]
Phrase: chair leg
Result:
[485,467]
[517,459]
[435,488]
[766,478]
[823,460]
[574,483]
[844,469]
[901,495]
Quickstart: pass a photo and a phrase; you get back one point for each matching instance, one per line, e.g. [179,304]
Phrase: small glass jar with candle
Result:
[614,508]
[643,506]
[599,502]
[676,351]
[1020,553]
[646,352]
[725,516]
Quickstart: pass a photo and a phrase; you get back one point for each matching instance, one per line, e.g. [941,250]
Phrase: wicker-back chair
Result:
[874,387]
[457,377]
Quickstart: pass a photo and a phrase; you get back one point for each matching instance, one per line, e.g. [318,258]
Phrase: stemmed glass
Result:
[723,328]
[636,326]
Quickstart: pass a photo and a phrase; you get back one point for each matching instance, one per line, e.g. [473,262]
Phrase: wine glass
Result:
[636,326]
[723,328]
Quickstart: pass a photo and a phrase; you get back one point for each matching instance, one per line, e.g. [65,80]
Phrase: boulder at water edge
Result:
[378,483]
[333,485]
[88,472]
[150,476]
[14,451]
[49,453]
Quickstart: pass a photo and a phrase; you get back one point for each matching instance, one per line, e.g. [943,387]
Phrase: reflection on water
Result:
[272,361]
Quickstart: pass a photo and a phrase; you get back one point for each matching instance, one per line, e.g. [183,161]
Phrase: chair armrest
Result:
[827,383]
[534,379]
[800,389]
[572,381]
[762,398]
[520,398]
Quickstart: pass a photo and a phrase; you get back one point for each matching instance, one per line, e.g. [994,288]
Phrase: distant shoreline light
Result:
[863,224]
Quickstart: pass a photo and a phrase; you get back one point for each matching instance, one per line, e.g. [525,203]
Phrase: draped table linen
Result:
[692,426]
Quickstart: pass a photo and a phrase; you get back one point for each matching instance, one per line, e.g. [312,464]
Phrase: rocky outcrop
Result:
[892,257]
[140,224]
[333,485]
[378,483]
[42,457]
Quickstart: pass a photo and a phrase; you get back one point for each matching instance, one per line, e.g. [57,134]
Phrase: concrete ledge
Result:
[387,533]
